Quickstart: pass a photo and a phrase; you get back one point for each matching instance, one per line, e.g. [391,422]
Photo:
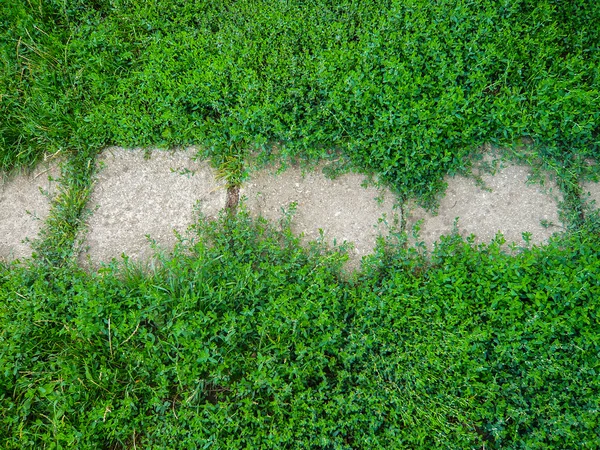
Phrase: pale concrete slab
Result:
[25,201]
[135,196]
[342,208]
[508,205]
[591,194]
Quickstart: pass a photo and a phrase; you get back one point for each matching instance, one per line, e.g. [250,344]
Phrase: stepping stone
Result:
[134,197]
[512,207]
[591,193]
[342,208]
[24,208]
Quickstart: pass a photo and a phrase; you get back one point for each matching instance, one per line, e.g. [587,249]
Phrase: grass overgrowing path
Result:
[241,334]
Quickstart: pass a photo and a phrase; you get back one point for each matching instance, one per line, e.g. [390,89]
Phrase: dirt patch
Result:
[136,196]
[233,198]
[342,208]
[24,205]
[507,204]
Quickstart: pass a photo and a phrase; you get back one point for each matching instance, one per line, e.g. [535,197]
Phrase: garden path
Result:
[140,196]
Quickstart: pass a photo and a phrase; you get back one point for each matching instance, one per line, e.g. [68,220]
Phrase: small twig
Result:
[42,173]
[52,156]
[134,331]
[40,30]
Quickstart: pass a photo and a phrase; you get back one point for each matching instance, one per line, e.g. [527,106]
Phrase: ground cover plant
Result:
[406,89]
[246,340]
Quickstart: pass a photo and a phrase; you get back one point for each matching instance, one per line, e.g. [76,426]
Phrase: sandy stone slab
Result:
[511,207]
[135,196]
[24,205]
[342,208]
[591,192]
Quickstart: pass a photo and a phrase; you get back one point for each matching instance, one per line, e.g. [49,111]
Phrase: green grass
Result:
[404,89]
[246,340]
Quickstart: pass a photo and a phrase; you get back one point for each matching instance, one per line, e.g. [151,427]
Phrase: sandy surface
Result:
[134,197]
[593,190]
[23,208]
[512,207]
[342,208]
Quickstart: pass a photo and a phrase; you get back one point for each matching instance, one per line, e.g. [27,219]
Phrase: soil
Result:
[233,198]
